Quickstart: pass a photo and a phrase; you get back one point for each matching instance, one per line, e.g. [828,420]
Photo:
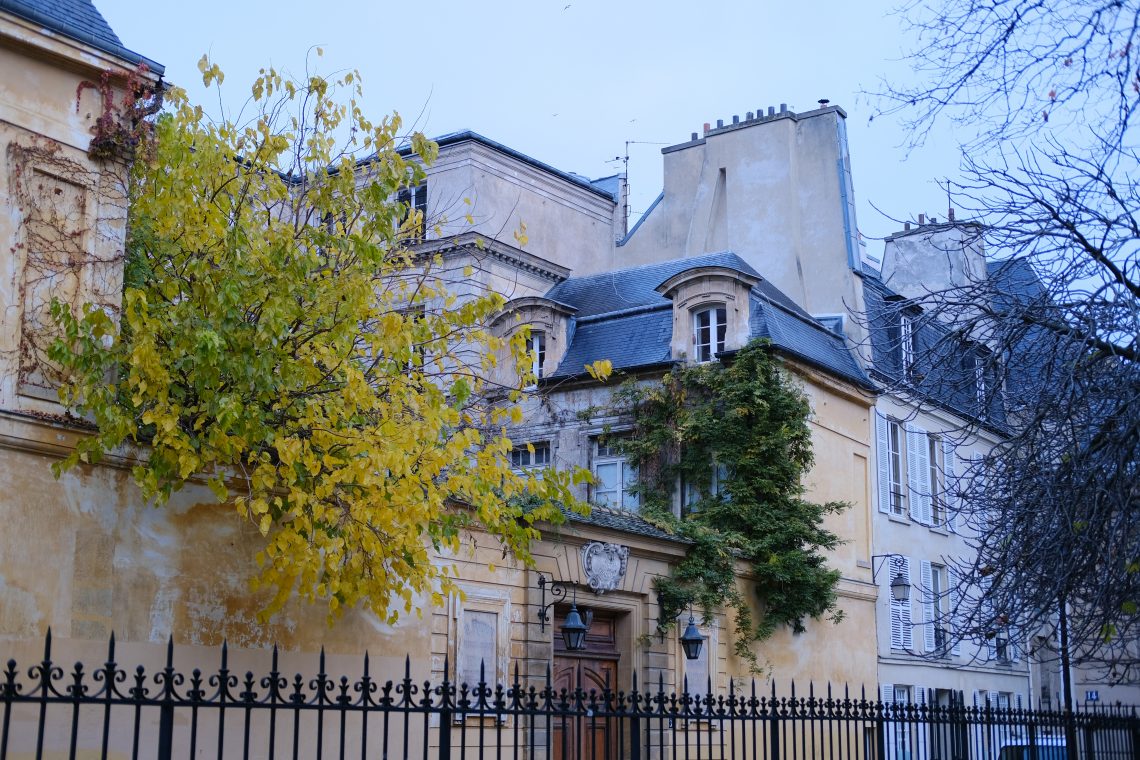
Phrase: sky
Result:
[569,82]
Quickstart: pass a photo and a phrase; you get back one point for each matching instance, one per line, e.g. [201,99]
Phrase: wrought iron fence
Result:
[108,711]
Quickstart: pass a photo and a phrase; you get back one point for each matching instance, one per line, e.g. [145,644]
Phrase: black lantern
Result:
[574,630]
[900,585]
[900,588]
[692,640]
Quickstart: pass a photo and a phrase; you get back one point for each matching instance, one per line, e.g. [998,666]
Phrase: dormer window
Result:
[710,326]
[536,347]
[908,334]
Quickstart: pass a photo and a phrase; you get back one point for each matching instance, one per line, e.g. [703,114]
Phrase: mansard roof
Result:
[946,375]
[79,20]
[622,317]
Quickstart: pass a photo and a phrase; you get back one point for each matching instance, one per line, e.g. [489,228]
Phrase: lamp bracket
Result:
[557,594]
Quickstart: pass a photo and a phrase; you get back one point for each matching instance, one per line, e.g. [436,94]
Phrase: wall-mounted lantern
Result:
[692,640]
[576,626]
[900,584]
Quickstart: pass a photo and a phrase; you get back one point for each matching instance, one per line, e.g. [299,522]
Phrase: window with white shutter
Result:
[950,480]
[918,474]
[901,623]
[890,440]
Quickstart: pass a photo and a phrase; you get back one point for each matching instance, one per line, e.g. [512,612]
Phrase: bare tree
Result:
[1042,346]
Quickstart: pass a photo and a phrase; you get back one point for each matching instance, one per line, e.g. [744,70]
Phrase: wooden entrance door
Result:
[594,669]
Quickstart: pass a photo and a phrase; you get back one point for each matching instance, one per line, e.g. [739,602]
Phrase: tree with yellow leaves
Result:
[280,340]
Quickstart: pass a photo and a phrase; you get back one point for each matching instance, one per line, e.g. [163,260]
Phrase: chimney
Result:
[906,227]
[749,116]
[951,214]
[719,123]
[771,110]
[694,137]
[921,219]
[783,108]
[736,118]
[706,127]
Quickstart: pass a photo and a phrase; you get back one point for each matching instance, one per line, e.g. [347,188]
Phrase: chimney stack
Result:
[951,214]
[921,219]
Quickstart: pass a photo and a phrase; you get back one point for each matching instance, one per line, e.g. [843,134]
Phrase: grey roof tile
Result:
[621,317]
[618,519]
[80,20]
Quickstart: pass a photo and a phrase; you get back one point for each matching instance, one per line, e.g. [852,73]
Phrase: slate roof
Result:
[944,368]
[618,519]
[621,317]
[81,21]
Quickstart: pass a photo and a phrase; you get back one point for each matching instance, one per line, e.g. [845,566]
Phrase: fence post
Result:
[774,728]
[166,711]
[445,713]
[634,723]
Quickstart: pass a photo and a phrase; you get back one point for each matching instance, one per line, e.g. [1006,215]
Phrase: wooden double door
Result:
[587,737]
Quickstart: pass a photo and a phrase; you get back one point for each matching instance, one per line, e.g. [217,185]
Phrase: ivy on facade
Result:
[733,440]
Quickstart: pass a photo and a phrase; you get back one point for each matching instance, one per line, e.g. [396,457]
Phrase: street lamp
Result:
[575,627]
[574,630]
[900,584]
[692,640]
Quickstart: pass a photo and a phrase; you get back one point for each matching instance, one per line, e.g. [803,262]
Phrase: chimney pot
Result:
[749,116]
[906,227]
[771,110]
[706,127]
[921,219]
[694,137]
[735,118]
[783,108]
[951,214]
[933,220]
[719,123]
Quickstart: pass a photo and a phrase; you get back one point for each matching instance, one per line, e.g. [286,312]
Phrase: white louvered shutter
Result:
[955,615]
[920,741]
[1019,702]
[950,490]
[901,621]
[882,457]
[928,606]
[913,473]
[925,487]
[890,730]
[895,608]
[993,697]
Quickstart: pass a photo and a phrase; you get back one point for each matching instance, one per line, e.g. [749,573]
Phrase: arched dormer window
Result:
[548,323]
[711,311]
[710,328]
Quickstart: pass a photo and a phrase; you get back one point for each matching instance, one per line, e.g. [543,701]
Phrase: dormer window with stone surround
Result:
[710,325]
[711,311]
[548,322]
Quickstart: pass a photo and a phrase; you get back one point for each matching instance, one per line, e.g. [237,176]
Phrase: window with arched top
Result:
[710,327]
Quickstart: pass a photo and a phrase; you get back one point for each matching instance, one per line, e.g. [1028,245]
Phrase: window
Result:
[1002,650]
[908,341]
[980,379]
[536,347]
[896,468]
[530,457]
[717,487]
[415,198]
[937,607]
[479,647]
[614,478]
[1004,700]
[709,329]
[937,480]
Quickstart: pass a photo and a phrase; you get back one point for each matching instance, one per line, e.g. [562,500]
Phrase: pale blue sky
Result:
[569,81]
